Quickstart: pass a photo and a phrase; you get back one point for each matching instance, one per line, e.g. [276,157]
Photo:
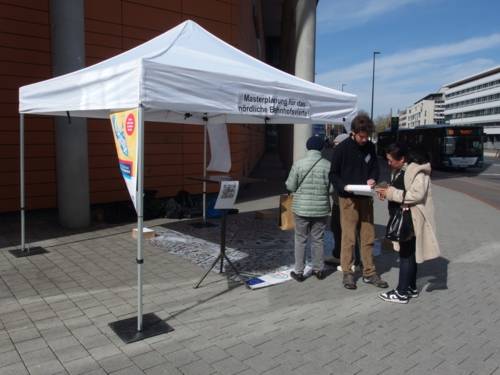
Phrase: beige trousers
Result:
[357,213]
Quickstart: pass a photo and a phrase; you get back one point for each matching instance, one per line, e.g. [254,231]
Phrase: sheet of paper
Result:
[359,189]
[227,195]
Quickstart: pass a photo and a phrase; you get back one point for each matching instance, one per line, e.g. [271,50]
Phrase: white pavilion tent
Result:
[185,75]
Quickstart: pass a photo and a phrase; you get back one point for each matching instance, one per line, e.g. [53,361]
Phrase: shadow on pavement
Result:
[386,261]
[431,275]
[434,274]
[231,285]
[44,225]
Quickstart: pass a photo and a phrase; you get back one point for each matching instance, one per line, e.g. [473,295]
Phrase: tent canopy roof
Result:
[183,75]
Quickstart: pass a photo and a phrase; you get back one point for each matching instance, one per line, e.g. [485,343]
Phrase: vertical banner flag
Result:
[124,125]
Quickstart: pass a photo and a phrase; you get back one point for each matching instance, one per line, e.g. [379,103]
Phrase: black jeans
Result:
[407,267]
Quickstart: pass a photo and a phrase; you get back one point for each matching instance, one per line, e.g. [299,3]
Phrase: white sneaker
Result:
[393,296]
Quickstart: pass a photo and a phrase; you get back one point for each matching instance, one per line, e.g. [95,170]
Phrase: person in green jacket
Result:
[308,181]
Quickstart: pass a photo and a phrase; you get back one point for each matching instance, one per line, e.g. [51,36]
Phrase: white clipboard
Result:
[359,189]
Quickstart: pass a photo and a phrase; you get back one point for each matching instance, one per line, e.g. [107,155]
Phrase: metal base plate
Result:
[152,325]
[18,253]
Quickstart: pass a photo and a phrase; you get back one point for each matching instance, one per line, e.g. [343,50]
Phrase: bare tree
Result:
[382,123]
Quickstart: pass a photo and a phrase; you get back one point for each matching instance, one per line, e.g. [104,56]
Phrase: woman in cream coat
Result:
[411,173]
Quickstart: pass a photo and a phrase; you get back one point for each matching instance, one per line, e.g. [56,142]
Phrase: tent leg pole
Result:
[142,326]
[140,217]
[205,173]
[21,182]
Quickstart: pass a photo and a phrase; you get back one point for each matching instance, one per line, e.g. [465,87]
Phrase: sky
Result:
[423,45]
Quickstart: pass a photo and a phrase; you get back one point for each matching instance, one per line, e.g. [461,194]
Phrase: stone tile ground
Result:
[55,308]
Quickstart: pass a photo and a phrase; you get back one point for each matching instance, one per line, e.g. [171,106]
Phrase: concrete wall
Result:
[172,152]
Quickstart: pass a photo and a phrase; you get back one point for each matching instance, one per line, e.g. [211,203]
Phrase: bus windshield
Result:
[468,146]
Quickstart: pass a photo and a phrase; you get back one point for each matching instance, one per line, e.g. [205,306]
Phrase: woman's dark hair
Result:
[418,156]
[397,150]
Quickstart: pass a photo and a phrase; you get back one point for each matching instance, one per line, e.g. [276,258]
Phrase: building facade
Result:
[426,111]
[403,118]
[475,100]
[173,152]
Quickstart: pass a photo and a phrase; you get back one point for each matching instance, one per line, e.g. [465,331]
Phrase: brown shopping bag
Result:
[286,220]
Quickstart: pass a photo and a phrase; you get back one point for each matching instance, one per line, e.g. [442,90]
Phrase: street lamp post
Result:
[373,80]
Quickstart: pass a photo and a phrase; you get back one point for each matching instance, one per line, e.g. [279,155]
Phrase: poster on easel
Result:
[227,195]
[125,127]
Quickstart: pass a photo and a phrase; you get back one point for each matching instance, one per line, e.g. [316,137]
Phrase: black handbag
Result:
[400,225]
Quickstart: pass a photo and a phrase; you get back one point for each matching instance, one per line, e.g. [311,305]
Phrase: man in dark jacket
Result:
[354,162]
[335,218]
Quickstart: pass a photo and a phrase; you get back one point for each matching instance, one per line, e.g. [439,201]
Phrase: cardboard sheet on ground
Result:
[276,277]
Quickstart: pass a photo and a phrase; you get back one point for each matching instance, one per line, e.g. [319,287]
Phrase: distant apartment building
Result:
[475,100]
[403,118]
[426,111]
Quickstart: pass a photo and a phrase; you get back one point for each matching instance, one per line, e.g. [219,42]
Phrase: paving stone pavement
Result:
[55,308]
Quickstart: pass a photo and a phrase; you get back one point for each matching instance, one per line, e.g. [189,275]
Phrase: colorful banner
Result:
[125,128]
